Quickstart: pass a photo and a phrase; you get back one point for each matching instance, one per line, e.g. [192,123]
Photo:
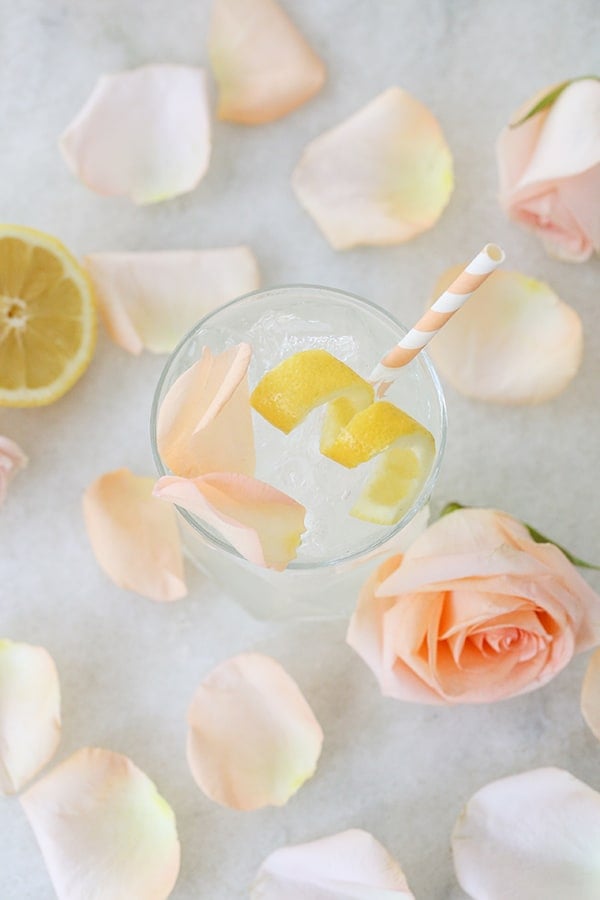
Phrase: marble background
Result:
[128,667]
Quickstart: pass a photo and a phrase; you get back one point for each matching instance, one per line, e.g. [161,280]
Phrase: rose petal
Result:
[351,865]
[262,523]
[253,738]
[515,341]
[29,713]
[569,142]
[534,835]
[201,411]
[143,133]
[103,829]
[12,459]
[152,299]
[134,537]
[590,694]
[263,66]
[380,177]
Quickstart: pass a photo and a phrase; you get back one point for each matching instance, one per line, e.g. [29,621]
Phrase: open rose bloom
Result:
[475,611]
[549,167]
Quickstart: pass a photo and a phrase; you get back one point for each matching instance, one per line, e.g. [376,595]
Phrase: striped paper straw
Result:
[465,284]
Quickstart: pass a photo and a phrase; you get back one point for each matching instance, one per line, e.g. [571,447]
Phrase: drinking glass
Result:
[338,552]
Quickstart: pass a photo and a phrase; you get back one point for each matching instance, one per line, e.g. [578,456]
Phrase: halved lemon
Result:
[47,318]
[286,394]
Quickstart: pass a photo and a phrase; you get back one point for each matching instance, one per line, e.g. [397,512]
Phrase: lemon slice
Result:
[47,318]
[286,394]
[407,451]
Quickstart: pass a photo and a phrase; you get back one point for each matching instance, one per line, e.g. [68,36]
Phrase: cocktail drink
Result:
[338,549]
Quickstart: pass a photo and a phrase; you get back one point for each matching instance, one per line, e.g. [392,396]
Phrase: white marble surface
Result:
[128,667]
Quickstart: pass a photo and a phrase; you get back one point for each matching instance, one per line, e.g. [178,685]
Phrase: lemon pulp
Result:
[47,318]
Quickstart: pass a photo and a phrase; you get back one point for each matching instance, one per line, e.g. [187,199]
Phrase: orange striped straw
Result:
[465,284]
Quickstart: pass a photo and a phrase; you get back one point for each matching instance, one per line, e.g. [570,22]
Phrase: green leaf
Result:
[451,507]
[537,536]
[550,98]
[542,539]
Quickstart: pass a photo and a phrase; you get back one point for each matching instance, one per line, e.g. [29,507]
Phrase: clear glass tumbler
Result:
[324,581]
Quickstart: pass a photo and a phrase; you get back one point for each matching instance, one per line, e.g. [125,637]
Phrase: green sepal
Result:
[550,98]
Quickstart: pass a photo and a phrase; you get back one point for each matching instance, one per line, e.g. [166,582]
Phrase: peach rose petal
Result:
[590,694]
[380,177]
[143,133]
[103,829]
[29,713]
[534,835]
[12,460]
[253,739]
[513,342]
[262,523]
[263,66]
[208,404]
[351,865]
[134,537]
[152,299]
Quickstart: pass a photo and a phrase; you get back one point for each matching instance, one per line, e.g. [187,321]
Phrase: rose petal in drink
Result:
[29,713]
[513,342]
[134,537]
[152,299]
[263,66]
[253,739]
[205,422]
[143,133]
[380,177]
[263,524]
[104,830]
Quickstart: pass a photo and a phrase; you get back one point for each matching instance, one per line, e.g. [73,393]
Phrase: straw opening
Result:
[495,253]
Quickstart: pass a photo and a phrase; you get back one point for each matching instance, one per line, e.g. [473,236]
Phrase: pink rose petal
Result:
[152,299]
[380,177]
[143,133]
[253,739]
[12,459]
[513,342]
[29,713]
[351,865]
[134,537]
[262,523]
[263,66]
[104,830]
[590,694]
[201,411]
[533,836]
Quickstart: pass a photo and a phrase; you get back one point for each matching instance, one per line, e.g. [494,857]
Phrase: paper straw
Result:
[465,284]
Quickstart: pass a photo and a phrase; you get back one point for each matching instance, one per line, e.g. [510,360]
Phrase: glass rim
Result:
[426,490]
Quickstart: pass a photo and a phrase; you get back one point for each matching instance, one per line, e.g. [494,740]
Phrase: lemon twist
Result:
[286,394]
[355,429]
[407,452]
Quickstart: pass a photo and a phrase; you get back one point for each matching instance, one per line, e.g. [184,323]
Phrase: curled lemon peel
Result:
[355,429]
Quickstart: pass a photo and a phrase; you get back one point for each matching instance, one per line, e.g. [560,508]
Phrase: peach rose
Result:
[549,167]
[475,611]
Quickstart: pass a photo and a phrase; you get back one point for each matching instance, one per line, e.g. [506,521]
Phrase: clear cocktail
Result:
[337,550]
